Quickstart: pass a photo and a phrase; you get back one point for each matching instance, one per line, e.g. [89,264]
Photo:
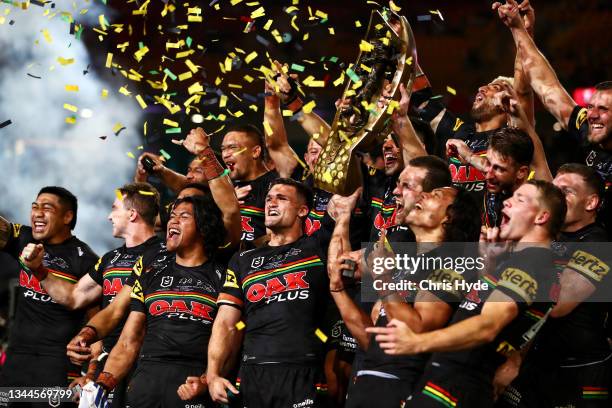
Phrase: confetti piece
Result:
[124,91]
[223,101]
[118,128]
[141,53]
[146,193]
[365,46]
[65,61]
[47,36]
[185,75]
[173,130]
[71,120]
[268,128]
[118,194]
[357,23]
[71,88]
[5,123]
[297,67]
[260,12]
[169,122]
[309,107]
[332,31]
[321,14]
[71,108]
[531,174]
[392,106]
[451,90]
[109,60]
[104,93]
[239,151]
[438,13]
[165,154]
[192,67]
[240,325]
[394,7]
[250,57]
[195,88]
[170,74]
[268,25]
[299,160]
[321,335]
[352,75]
[131,155]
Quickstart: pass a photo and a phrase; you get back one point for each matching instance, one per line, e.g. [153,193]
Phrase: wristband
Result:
[337,290]
[89,334]
[107,381]
[212,167]
[295,105]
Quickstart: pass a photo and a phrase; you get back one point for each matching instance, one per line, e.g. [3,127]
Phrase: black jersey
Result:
[597,158]
[579,337]
[379,200]
[252,210]
[42,326]
[180,305]
[527,277]
[492,206]
[282,292]
[453,127]
[114,270]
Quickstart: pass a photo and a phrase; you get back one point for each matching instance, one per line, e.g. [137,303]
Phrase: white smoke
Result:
[39,148]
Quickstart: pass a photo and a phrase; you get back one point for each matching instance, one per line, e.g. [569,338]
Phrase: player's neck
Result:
[578,225]
[58,238]
[257,170]
[193,255]
[138,235]
[427,234]
[538,236]
[496,122]
[285,236]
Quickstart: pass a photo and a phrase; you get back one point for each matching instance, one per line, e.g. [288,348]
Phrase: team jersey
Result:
[597,158]
[42,326]
[436,281]
[114,269]
[282,292]
[527,277]
[492,206]
[379,200]
[252,209]
[453,127]
[180,305]
[579,337]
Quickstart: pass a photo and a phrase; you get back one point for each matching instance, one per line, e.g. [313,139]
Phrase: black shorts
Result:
[281,386]
[446,388]
[579,386]
[370,391]
[33,370]
[155,385]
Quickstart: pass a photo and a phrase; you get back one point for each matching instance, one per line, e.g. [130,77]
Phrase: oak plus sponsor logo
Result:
[191,306]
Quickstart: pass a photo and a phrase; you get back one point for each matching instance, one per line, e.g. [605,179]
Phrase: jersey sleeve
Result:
[137,301]
[578,126]
[96,272]
[20,236]
[231,293]
[590,263]
[518,282]
[137,272]
[447,285]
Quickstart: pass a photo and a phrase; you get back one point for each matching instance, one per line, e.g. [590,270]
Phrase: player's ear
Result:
[592,202]
[68,217]
[256,151]
[303,212]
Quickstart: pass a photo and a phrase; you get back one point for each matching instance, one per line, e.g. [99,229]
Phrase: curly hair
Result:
[209,221]
[463,223]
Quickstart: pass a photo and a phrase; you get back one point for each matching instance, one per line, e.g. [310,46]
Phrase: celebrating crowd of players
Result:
[252,297]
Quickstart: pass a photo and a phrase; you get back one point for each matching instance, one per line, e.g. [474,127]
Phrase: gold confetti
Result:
[71,88]
[268,25]
[118,126]
[321,335]
[141,53]
[146,193]
[267,128]
[171,123]
[240,325]
[531,174]
[193,68]
[185,75]
[71,120]
[223,101]
[365,46]
[118,195]
[47,36]
[104,93]
[65,61]
[392,106]
[309,107]
[109,60]
[141,102]
[394,7]
[250,57]
[451,90]
[71,108]
[124,91]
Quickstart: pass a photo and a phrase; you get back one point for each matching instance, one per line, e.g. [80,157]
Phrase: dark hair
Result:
[438,174]
[198,186]
[553,198]
[255,135]
[463,223]
[604,86]
[304,192]
[591,178]
[513,143]
[142,197]
[208,219]
[424,133]
[66,200]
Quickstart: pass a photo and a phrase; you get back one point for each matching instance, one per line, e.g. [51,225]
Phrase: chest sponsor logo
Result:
[289,286]
[245,222]
[312,226]
[32,288]
[182,308]
[112,286]
[466,174]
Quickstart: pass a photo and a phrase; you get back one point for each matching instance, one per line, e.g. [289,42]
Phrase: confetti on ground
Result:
[321,335]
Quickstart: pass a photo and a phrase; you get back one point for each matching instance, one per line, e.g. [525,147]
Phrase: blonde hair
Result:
[508,80]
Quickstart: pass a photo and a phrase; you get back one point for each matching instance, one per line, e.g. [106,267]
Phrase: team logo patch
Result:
[230,280]
[458,123]
[257,262]
[588,265]
[166,281]
[16,230]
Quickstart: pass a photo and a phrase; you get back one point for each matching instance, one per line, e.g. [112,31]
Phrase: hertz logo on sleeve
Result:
[588,265]
[520,282]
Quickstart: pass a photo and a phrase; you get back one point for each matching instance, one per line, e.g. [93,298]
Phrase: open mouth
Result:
[597,126]
[390,159]
[479,97]
[39,226]
[273,212]
[505,219]
[173,232]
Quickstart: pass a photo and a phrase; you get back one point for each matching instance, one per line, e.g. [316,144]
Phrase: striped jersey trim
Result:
[299,264]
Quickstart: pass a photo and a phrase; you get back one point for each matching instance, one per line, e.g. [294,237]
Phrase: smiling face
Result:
[313,150]
[521,213]
[195,172]
[600,119]
[483,108]
[429,211]
[408,189]
[182,231]
[284,209]
[239,154]
[391,156]
[49,218]
[503,173]
[120,218]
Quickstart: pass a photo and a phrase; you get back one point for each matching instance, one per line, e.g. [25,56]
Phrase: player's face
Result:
[392,157]
[182,231]
[429,211]
[408,189]
[483,107]
[312,154]
[238,154]
[120,218]
[502,172]
[519,213]
[48,217]
[599,117]
[283,207]
[577,196]
[195,172]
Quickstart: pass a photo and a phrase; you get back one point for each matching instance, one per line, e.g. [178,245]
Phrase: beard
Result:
[484,112]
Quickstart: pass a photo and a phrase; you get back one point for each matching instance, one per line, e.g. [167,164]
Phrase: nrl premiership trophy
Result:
[387,57]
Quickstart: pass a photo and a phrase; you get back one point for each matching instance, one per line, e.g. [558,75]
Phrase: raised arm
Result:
[410,144]
[170,178]
[521,82]
[542,77]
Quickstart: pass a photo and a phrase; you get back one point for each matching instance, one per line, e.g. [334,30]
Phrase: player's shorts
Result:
[33,370]
[282,385]
[371,391]
[451,388]
[571,385]
[155,384]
